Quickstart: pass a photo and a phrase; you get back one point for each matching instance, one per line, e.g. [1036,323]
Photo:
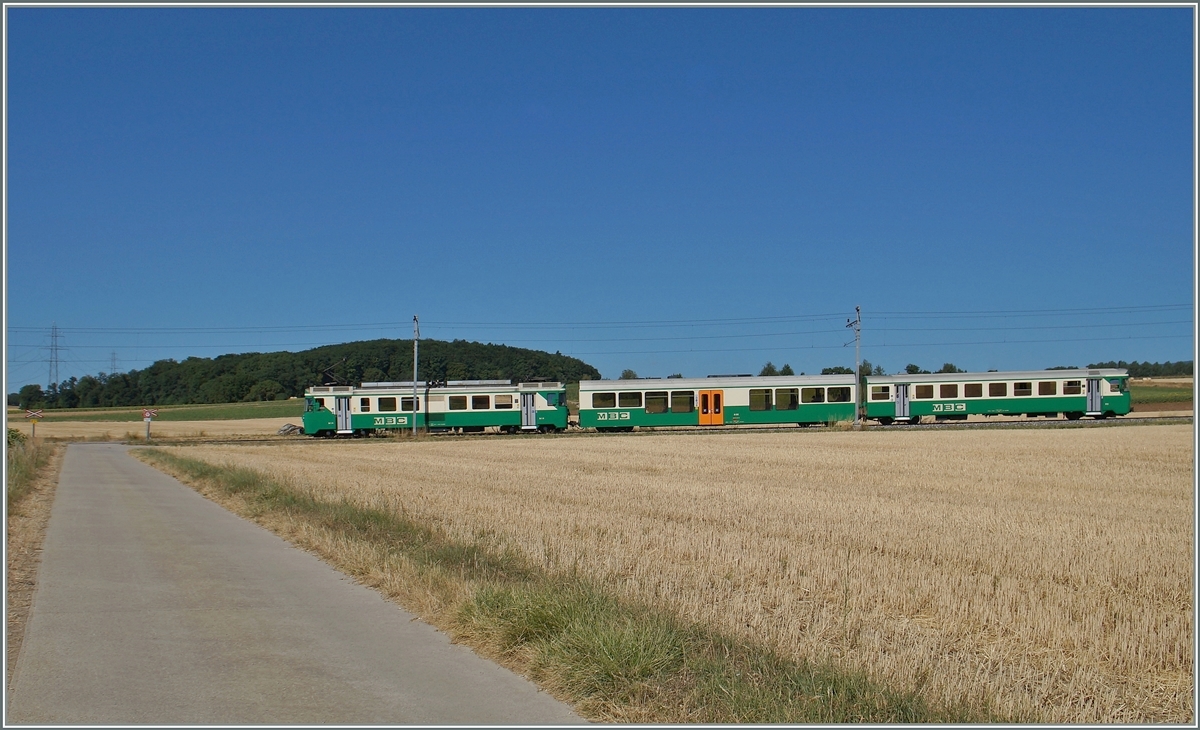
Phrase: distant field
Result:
[1173,390]
[1049,571]
[207,412]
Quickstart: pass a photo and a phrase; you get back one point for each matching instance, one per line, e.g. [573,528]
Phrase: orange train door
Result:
[712,407]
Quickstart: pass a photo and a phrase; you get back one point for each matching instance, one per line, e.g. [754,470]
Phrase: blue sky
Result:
[690,190]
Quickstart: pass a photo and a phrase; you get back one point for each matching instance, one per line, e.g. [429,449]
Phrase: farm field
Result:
[1046,570]
[1150,394]
[293,409]
[134,431]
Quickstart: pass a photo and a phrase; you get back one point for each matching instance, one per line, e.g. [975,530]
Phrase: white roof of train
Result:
[719,381]
[1077,374]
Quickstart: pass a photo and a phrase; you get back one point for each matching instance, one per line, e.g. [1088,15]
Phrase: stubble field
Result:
[1048,571]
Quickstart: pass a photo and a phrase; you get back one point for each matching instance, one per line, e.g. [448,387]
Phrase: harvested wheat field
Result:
[136,430]
[1048,570]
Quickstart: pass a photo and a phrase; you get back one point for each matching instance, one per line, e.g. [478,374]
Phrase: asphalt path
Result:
[157,606]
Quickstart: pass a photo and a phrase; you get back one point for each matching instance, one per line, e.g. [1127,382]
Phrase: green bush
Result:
[15,437]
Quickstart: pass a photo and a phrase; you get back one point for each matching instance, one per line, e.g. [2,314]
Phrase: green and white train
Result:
[466,406]
[461,406]
[620,405]
[1099,393]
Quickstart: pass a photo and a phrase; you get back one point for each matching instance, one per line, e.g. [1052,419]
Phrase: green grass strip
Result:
[211,412]
[616,659]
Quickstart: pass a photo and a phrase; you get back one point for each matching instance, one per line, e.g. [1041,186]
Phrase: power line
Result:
[732,321]
[910,344]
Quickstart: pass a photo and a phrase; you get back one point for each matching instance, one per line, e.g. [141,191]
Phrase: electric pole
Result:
[416,336]
[856,324]
[53,356]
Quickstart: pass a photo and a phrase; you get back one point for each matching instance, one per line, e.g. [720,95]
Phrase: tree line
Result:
[277,375]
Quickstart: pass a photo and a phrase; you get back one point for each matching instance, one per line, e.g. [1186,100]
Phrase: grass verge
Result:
[26,459]
[614,660]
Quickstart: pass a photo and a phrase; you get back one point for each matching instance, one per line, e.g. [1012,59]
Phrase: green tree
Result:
[674,375]
[786,370]
[266,390]
[837,370]
[30,396]
[628,374]
[950,368]
[914,369]
[769,369]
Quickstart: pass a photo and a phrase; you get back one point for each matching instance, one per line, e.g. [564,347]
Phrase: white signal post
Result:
[33,417]
[416,336]
[147,415]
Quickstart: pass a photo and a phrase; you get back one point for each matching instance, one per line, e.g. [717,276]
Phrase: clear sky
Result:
[691,190]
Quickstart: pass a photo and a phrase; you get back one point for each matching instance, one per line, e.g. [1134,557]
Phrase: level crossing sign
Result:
[33,414]
[148,413]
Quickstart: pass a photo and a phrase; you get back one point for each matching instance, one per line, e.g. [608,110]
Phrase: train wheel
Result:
[1073,416]
[885,421]
[914,421]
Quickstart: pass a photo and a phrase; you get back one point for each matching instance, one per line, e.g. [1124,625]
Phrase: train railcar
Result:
[462,406]
[620,405]
[1099,393]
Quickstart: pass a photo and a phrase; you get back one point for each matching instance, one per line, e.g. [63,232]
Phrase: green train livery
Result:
[461,406]
[1098,393]
[622,405]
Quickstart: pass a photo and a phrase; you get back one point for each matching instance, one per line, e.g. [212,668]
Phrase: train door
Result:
[712,407]
[529,411]
[1094,403]
[902,400]
[341,409]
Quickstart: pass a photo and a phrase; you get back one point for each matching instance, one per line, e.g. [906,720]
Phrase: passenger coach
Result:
[1099,393]
[460,405]
[620,405]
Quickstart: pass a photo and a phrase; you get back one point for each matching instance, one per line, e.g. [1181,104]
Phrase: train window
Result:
[630,400]
[838,395]
[760,399]
[1073,387]
[787,399]
[1047,387]
[998,390]
[505,401]
[812,395]
[387,405]
[948,390]
[458,402]
[364,405]
[407,403]
[320,402]
[1020,389]
[481,402]
[604,400]
[656,401]
[972,390]
[683,401]
[1114,386]
[923,392]
[555,399]
[881,392]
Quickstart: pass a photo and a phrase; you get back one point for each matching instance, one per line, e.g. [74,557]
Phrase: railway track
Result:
[580,433]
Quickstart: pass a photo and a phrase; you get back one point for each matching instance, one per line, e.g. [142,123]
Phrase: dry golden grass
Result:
[136,430]
[1048,570]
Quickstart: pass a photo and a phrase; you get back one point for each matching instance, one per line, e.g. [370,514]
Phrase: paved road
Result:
[156,606]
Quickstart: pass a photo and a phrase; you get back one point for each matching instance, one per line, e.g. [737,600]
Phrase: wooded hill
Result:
[276,375]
